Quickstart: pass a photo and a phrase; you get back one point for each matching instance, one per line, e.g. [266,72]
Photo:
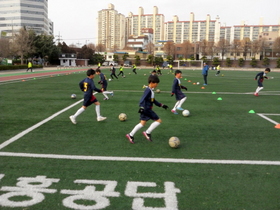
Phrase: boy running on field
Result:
[104,85]
[177,90]
[260,76]
[146,113]
[87,86]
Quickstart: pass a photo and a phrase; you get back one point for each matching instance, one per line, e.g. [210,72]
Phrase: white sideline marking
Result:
[21,134]
[141,159]
[267,118]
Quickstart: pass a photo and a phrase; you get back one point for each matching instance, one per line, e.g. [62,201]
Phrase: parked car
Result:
[114,63]
[127,63]
[165,64]
[106,63]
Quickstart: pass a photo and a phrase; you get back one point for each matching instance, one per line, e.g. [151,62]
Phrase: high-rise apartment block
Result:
[111,28]
[32,14]
[175,30]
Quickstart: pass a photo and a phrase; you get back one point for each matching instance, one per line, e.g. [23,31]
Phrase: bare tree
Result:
[203,47]
[91,46]
[100,48]
[235,47]
[210,49]
[263,45]
[255,47]
[276,45]
[246,46]
[22,43]
[150,47]
[5,47]
[115,48]
[223,47]
[187,49]
[169,48]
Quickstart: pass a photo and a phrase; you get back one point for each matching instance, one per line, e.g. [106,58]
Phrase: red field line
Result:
[36,74]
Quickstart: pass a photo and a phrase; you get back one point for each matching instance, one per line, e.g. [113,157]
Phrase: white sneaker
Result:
[73,120]
[101,118]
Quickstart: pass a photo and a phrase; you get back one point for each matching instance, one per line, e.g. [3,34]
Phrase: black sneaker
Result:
[147,136]
[130,138]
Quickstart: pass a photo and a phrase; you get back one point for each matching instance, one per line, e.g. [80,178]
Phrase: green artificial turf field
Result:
[228,158]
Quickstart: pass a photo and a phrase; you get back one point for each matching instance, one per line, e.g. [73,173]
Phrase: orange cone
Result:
[277,126]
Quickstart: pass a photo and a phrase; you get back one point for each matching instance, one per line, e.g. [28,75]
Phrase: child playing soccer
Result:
[176,89]
[121,71]
[113,72]
[146,113]
[158,70]
[260,76]
[134,68]
[104,84]
[87,86]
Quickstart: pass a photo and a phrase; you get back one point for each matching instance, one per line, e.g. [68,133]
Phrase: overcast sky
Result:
[75,21]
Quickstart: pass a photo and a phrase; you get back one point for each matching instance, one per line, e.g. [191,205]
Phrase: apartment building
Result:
[192,30]
[111,28]
[32,14]
[155,21]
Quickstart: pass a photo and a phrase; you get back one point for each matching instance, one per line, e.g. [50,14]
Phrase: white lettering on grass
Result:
[169,196]
[32,187]
[90,194]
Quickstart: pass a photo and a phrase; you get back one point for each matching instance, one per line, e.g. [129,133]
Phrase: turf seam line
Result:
[141,159]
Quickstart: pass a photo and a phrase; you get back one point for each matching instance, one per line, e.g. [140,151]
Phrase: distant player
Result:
[205,73]
[218,70]
[113,72]
[121,71]
[146,112]
[171,68]
[87,86]
[177,91]
[104,85]
[134,68]
[158,70]
[260,77]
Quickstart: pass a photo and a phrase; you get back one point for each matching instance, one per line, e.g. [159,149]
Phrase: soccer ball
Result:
[174,142]
[73,96]
[197,83]
[158,90]
[110,79]
[122,117]
[186,113]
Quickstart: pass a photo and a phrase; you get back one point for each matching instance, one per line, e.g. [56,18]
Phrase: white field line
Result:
[141,159]
[267,118]
[21,134]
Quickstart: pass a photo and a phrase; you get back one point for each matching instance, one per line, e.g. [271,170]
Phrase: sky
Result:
[75,22]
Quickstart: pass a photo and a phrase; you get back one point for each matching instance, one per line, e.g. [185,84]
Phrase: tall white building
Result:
[111,28]
[155,21]
[192,30]
[32,14]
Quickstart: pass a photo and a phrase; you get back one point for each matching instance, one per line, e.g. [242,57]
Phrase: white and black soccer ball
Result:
[110,79]
[174,142]
[186,113]
[122,117]
[73,96]
[158,91]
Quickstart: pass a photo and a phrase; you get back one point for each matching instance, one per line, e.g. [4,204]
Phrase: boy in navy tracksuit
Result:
[113,72]
[146,113]
[260,76]
[87,86]
[104,84]
[177,90]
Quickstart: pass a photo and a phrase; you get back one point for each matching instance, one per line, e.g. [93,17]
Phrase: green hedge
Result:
[15,67]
